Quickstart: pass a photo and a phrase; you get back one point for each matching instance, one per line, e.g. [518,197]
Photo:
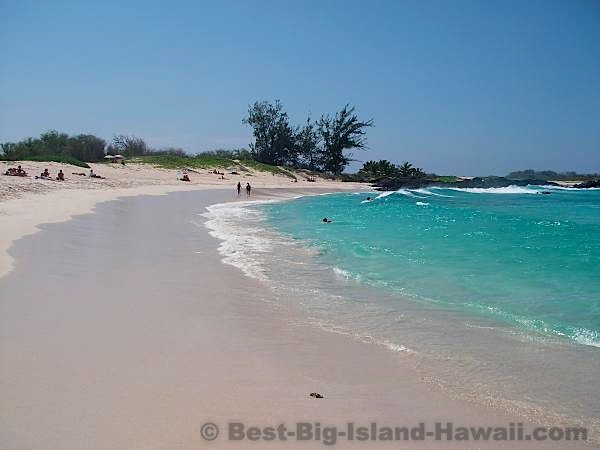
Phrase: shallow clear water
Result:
[491,295]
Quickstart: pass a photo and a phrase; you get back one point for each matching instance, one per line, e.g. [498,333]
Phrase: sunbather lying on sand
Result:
[18,172]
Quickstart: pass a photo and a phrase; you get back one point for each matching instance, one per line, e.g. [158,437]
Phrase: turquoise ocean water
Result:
[512,254]
[492,295]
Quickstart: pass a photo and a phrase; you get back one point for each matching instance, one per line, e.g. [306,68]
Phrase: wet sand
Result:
[121,329]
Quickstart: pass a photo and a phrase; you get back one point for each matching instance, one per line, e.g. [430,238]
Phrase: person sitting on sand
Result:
[93,175]
[185,177]
[248,189]
[45,175]
[61,176]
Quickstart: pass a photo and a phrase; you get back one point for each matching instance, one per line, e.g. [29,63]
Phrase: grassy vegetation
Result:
[64,159]
[275,170]
[209,161]
[181,162]
[446,179]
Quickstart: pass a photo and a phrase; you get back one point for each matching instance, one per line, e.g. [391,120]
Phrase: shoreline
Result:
[22,215]
[426,332]
[278,360]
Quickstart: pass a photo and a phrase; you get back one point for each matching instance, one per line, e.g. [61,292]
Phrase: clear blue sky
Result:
[466,87]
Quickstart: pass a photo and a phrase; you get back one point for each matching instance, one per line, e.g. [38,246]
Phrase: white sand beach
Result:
[120,328]
[27,202]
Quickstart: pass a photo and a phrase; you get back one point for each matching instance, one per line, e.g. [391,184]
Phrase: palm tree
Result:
[418,173]
[378,169]
[406,169]
[368,169]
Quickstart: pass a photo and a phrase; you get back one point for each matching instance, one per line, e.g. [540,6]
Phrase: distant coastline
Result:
[386,184]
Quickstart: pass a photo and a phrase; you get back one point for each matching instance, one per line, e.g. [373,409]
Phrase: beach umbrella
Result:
[109,157]
[119,156]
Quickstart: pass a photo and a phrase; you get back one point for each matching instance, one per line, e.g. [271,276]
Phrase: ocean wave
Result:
[557,188]
[499,190]
[428,192]
[405,192]
[384,194]
[572,333]
[564,188]
[234,224]
[422,203]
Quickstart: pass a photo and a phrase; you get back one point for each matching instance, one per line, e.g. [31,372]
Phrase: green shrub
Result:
[64,159]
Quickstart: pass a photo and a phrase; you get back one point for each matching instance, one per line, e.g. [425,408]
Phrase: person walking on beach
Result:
[239,187]
[248,189]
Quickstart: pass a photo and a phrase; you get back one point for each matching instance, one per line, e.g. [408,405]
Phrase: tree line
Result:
[375,170]
[548,175]
[84,147]
[319,145]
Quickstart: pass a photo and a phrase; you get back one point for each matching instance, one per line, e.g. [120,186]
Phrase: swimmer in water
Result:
[326,220]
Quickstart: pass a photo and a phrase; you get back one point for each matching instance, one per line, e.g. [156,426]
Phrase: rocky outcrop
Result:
[588,184]
[392,184]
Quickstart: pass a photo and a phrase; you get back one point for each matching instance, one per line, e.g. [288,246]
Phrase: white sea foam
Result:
[557,188]
[571,189]
[396,347]
[586,337]
[500,190]
[241,239]
[422,203]
[342,272]
[384,194]
[428,192]
[405,192]
[408,193]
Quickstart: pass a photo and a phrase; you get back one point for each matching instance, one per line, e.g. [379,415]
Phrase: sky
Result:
[455,87]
